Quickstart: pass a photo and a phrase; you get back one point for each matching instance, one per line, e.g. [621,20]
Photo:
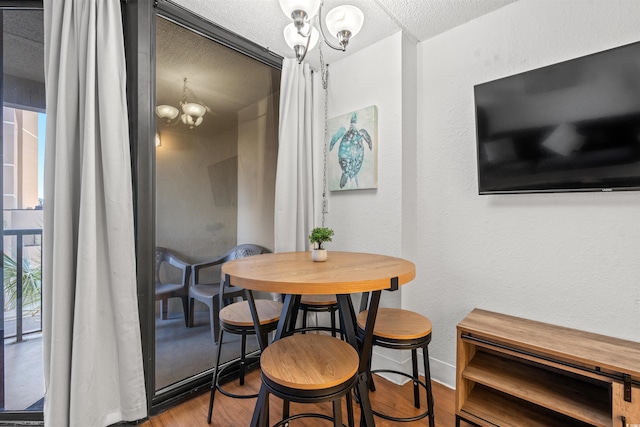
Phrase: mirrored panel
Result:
[216,151]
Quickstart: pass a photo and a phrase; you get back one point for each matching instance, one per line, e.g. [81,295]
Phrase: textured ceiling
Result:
[427,18]
[262,21]
[227,81]
[23,44]
[182,53]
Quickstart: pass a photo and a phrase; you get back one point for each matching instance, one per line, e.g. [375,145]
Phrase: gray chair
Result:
[217,295]
[164,291]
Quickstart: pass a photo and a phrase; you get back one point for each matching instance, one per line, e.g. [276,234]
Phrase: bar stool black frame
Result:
[240,364]
[333,394]
[330,394]
[320,308]
[348,324]
[413,345]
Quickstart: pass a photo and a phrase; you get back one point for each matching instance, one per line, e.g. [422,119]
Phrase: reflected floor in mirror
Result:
[182,352]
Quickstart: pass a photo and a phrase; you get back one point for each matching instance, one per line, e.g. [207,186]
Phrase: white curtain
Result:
[92,347]
[301,116]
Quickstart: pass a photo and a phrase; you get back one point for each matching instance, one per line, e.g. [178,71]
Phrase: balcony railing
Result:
[24,237]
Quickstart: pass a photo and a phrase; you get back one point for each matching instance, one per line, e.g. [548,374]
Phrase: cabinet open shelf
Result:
[489,407]
[578,399]
[513,372]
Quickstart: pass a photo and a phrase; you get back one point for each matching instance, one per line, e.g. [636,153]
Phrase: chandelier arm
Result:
[306,48]
[195,97]
[324,37]
[184,92]
[187,91]
[308,35]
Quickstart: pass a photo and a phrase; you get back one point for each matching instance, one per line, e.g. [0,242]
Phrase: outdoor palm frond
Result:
[31,284]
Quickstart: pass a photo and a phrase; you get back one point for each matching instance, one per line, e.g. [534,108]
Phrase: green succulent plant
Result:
[320,235]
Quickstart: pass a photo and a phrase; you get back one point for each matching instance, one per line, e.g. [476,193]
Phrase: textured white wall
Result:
[568,259]
[371,220]
[188,220]
[383,220]
[257,159]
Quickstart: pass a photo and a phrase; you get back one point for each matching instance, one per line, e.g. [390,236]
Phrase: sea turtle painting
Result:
[351,150]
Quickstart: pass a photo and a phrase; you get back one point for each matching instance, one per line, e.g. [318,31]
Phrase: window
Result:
[23,118]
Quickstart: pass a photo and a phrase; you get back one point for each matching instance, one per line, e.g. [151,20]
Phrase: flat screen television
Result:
[572,126]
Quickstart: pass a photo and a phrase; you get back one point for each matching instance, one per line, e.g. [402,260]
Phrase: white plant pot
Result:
[319,255]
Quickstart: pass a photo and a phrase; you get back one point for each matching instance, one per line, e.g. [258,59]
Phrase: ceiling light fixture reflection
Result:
[192,111]
[343,23]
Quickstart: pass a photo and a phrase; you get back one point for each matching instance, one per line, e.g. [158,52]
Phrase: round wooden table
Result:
[343,273]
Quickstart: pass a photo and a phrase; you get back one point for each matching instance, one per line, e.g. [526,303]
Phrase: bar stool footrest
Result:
[314,329]
[401,419]
[248,359]
[307,415]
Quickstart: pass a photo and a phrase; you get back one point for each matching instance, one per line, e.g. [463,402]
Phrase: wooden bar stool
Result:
[403,330]
[310,368]
[319,304]
[236,319]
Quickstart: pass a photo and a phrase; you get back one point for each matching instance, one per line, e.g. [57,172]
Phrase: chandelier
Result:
[192,112]
[343,22]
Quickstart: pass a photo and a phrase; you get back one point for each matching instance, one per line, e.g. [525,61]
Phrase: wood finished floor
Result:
[228,412]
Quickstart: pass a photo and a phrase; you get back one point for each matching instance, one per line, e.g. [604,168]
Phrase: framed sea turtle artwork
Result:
[352,155]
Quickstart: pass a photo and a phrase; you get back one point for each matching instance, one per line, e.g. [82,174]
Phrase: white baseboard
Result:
[441,372]
[384,358]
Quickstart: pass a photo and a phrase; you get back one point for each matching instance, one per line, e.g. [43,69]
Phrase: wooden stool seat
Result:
[310,368]
[309,362]
[236,319]
[397,324]
[318,300]
[239,313]
[319,304]
[400,329]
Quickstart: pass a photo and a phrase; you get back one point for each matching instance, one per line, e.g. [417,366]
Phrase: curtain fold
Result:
[295,199]
[91,333]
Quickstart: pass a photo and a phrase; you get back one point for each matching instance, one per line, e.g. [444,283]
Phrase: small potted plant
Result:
[318,236]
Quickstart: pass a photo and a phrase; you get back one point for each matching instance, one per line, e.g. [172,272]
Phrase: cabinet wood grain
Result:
[519,372]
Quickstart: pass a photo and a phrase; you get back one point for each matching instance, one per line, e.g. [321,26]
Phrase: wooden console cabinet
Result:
[521,373]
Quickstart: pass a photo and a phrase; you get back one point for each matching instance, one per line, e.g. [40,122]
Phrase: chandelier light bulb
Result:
[294,38]
[193,109]
[167,112]
[309,7]
[345,20]
[187,120]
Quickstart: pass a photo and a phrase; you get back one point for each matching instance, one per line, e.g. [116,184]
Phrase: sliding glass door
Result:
[22,141]
[215,157]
